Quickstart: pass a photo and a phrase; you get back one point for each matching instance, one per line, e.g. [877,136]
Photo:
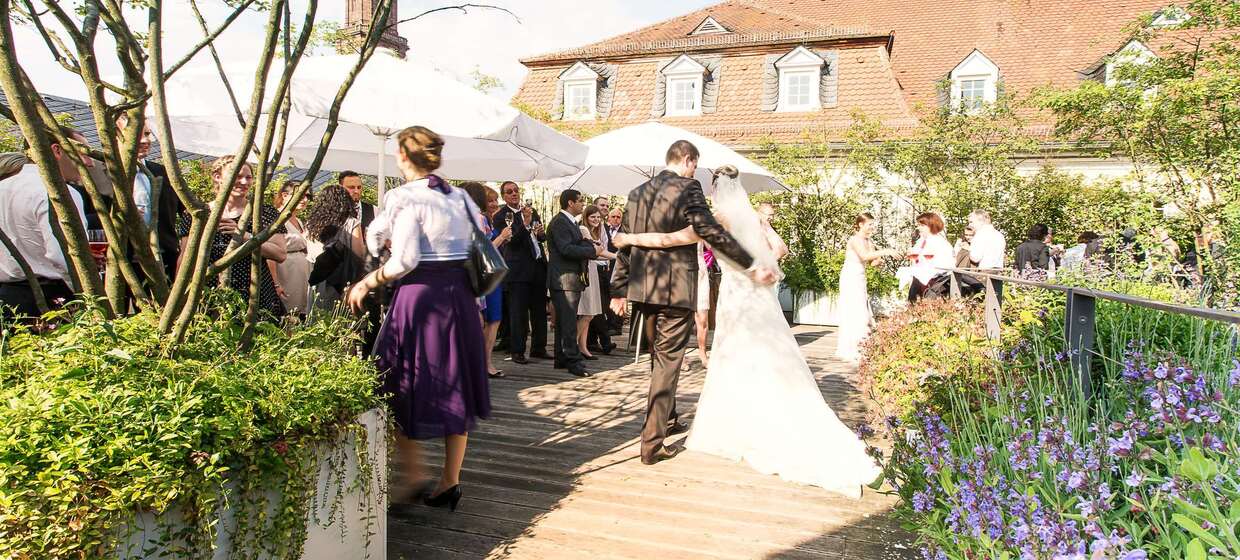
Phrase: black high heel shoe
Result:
[448,498]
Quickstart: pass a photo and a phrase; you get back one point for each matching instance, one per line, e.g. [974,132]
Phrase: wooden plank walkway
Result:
[555,474]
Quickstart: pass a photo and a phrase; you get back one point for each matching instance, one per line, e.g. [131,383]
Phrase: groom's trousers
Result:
[669,329]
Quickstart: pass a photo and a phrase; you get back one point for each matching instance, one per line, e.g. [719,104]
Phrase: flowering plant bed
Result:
[1018,464]
[102,425]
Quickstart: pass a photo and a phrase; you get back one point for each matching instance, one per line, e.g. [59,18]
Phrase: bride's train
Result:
[761,403]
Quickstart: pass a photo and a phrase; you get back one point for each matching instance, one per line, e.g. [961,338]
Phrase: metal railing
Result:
[1079,313]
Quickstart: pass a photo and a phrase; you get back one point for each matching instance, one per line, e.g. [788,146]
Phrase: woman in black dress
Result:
[269,304]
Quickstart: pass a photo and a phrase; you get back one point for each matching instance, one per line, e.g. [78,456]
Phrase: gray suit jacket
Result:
[567,254]
[666,204]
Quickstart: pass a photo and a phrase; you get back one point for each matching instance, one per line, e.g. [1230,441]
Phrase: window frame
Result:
[683,70]
[800,62]
[975,67]
[592,100]
[677,79]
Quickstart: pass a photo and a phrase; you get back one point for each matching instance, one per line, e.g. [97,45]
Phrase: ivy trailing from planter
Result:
[101,427]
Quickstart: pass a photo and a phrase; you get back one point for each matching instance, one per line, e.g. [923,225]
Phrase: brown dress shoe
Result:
[663,454]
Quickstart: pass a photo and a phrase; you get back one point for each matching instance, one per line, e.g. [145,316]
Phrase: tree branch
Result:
[35,288]
[333,122]
[209,39]
[203,250]
[464,8]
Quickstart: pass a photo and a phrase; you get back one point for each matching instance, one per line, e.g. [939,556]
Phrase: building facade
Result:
[746,71]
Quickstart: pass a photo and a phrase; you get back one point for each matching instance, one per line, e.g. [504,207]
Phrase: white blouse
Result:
[423,224]
[934,256]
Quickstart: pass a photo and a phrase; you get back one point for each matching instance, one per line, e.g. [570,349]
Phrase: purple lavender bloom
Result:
[923,501]
[1233,378]
[1137,554]
[1122,446]
[1076,480]
[1135,479]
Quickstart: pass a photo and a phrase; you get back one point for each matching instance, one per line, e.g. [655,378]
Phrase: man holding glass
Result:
[525,287]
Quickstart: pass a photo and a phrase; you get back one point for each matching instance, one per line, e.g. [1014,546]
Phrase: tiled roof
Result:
[866,85]
[749,24]
[1034,43]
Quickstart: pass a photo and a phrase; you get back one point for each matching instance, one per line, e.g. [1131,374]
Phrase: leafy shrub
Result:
[101,423]
[911,357]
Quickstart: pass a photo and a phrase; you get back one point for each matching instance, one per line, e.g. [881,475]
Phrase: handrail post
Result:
[1079,320]
[992,310]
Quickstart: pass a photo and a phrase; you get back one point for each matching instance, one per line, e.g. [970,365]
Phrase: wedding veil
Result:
[733,209]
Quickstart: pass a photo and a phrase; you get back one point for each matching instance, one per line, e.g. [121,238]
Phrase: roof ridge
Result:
[710,41]
[561,52]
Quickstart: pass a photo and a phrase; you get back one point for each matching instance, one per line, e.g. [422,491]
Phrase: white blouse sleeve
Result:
[379,231]
[404,228]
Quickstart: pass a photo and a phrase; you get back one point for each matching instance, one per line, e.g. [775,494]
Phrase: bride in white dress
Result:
[761,403]
[853,307]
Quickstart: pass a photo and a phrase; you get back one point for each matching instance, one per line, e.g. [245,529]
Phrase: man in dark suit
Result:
[153,177]
[569,254]
[614,322]
[525,287]
[352,182]
[662,283]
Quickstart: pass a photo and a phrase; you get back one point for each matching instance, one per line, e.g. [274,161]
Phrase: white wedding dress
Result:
[852,308]
[761,403]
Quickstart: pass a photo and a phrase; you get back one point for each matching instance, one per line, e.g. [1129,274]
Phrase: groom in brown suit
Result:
[662,283]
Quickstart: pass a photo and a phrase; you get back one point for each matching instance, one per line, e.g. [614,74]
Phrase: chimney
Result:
[358,15]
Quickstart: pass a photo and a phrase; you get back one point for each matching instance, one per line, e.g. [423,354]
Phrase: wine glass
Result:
[508,218]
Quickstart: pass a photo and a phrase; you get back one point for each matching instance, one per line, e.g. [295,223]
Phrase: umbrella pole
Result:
[382,186]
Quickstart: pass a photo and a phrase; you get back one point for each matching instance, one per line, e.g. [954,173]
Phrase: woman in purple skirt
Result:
[430,349]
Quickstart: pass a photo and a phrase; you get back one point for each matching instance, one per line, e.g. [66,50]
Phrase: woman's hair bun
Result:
[422,147]
[728,171]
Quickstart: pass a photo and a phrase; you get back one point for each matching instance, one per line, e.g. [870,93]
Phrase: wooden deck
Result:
[555,474]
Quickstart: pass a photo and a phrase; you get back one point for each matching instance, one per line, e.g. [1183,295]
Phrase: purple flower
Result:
[1137,554]
[1122,446]
[1233,378]
[1076,480]
[1135,479]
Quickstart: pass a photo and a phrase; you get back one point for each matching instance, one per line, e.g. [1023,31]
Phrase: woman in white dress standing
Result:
[591,303]
[761,402]
[856,318]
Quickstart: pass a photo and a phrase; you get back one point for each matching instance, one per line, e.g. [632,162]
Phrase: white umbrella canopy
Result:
[485,139]
[622,159]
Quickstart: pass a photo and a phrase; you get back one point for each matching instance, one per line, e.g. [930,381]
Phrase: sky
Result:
[491,41]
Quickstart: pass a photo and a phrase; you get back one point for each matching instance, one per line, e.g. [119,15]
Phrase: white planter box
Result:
[359,530]
[815,308]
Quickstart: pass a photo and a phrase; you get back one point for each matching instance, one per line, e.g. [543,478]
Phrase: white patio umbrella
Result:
[622,159]
[485,139]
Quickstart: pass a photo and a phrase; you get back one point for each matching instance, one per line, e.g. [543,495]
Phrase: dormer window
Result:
[684,87]
[800,81]
[709,27]
[1170,16]
[1135,53]
[580,92]
[974,83]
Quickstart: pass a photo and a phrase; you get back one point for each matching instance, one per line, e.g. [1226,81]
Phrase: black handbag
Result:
[485,265]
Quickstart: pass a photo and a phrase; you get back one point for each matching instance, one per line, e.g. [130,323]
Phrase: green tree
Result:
[1176,115]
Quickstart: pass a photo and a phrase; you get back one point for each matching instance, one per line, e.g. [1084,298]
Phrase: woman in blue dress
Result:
[493,304]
